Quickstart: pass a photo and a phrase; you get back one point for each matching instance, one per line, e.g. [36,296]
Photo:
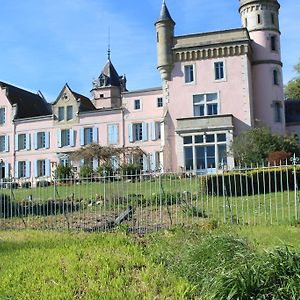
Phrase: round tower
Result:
[164,37]
[261,18]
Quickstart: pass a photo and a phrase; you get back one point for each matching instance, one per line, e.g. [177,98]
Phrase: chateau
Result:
[215,85]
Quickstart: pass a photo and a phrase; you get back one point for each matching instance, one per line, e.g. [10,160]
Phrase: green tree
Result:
[254,146]
[292,89]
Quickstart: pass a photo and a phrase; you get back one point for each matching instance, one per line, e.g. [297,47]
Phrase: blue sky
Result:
[46,43]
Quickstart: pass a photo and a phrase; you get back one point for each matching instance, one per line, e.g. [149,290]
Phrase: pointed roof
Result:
[28,104]
[165,14]
[112,77]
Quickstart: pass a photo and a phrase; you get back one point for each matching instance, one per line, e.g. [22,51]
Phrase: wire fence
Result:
[146,202]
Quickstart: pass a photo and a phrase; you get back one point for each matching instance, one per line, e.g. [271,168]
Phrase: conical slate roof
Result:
[164,14]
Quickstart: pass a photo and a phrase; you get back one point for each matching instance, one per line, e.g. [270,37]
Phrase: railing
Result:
[146,202]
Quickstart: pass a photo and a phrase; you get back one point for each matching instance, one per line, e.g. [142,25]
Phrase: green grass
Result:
[198,262]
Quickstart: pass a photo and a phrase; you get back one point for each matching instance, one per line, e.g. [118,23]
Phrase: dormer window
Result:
[61,113]
[2,116]
[102,80]
[69,113]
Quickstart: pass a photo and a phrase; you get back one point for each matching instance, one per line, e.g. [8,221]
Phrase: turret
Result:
[261,19]
[164,36]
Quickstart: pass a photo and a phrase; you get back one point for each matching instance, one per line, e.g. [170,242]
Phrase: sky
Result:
[47,43]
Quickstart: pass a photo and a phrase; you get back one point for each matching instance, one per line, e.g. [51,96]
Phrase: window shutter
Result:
[130,133]
[95,164]
[16,169]
[16,142]
[59,138]
[35,140]
[81,162]
[27,168]
[47,140]
[81,136]
[153,161]
[6,141]
[27,141]
[145,162]
[7,167]
[114,162]
[145,131]
[153,131]
[72,137]
[95,135]
[35,168]
[48,167]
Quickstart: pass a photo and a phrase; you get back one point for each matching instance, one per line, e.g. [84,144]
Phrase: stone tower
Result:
[164,37]
[261,18]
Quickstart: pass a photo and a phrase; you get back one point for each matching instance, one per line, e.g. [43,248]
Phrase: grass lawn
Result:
[181,263]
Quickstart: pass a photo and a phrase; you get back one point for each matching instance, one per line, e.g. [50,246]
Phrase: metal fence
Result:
[146,202]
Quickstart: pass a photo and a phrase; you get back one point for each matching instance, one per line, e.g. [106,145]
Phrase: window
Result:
[137,104]
[2,143]
[205,152]
[113,134]
[205,104]
[2,116]
[275,77]
[160,102]
[258,19]
[246,22]
[155,130]
[61,113]
[219,70]
[65,161]
[273,43]
[138,132]
[88,136]
[188,73]
[22,169]
[41,140]
[272,18]
[69,113]
[41,168]
[65,137]
[277,112]
[22,141]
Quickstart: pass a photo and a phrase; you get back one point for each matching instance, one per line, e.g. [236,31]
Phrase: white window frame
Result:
[2,137]
[215,73]
[187,75]
[66,132]
[140,104]
[67,112]
[41,140]
[205,103]
[135,132]
[62,109]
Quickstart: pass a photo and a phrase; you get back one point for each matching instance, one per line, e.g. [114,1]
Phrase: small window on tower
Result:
[275,77]
[258,19]
[157,37]
[189,74]
[273,43]
[246,22]
[273,19]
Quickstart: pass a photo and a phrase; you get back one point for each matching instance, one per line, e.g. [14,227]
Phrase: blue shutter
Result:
[16,142]
[47,140]
[115,134]
[145,162]
[95,135]
[145,131]
[35,140]
[16,169]
[110,131]
[81,162]
[48,168]
[130,133]
[153,131]
[95,164]
[27,141]
[7,167]
[114,162]
[35,168]
[27,168]
[72,138]
[59,138]
[6,141]
[81,136]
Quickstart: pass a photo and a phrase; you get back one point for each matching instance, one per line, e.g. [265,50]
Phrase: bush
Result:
[26,185]
[105,169]
[43,183]
[12,185]
[86,171]
[63,172]
[131,169]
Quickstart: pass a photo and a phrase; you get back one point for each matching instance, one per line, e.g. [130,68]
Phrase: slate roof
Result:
[292,111]
[28,104]
[85,103]
[165,14]
[112,77]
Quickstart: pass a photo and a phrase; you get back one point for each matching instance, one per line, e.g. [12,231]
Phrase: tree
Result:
[292,89]
[254,146]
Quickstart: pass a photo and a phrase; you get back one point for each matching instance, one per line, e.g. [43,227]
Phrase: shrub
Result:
[131,169]
[26,185]
[43,183]
[105,169]
[63,172]
[86,171]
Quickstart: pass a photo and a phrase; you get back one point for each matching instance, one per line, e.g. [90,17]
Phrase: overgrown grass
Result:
[200,262]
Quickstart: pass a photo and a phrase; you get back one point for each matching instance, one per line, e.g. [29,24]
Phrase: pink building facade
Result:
[215,85]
